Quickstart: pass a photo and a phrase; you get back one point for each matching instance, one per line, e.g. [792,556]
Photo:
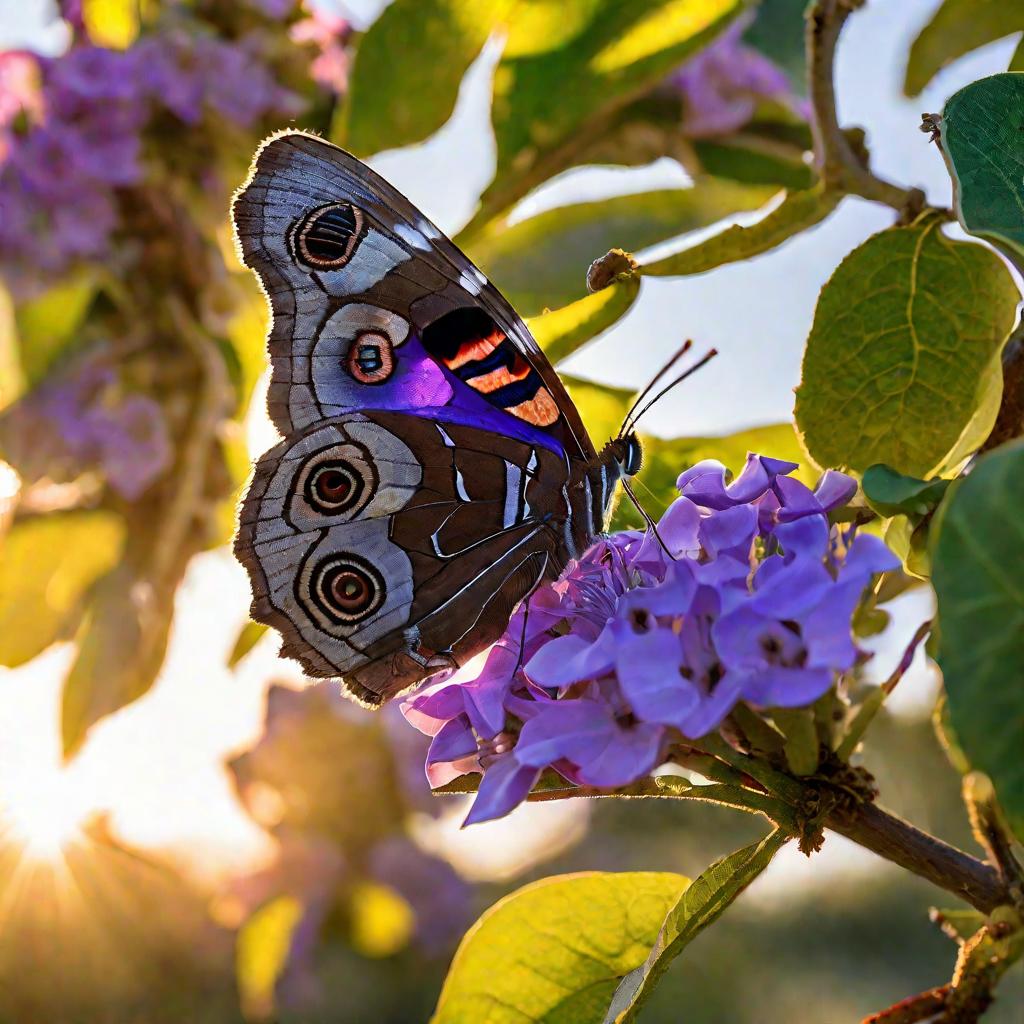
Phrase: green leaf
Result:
[797,212]
[605,60]
[601,406]
[408,69]
[261,954]
[121,647]
[756,158]
[976,558]
[891,494]
[542,262]
[700,905]
[248,637]
[908,538]
[778,32]
[802,747]
[553,952]
[561,332]
[665,460]
[958,924]
[906,337]
[47,563]
[982,134]
[958,27]
[51,323]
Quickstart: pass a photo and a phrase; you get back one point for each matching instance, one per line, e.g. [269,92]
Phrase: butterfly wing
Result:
[385,547]
[374,308]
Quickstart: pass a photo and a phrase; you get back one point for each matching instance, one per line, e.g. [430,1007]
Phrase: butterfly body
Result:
[433,469]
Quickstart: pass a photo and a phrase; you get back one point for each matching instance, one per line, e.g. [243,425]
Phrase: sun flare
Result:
[44,813]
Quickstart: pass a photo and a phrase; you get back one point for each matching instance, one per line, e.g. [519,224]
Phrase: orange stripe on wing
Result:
[478,348]
[541,410]
[500,377]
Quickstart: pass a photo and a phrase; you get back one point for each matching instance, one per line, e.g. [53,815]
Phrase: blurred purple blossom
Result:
[723,84]
[327,33]
[636,646]
[83,423]
[72,132]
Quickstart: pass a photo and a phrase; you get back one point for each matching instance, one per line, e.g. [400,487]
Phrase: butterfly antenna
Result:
[687,345]
[703,361]
[651,524]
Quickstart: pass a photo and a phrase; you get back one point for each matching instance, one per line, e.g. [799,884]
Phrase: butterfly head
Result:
[628,453]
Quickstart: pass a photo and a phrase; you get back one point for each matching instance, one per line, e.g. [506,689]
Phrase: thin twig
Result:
[840,165]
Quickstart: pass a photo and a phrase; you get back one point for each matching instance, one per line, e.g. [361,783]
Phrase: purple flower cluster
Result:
[71,134]
[723,84]
[83,423]
[746,593]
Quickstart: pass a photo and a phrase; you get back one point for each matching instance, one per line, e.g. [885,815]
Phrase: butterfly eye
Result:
[326,238]
[347,589]
[334,487]
[371,359]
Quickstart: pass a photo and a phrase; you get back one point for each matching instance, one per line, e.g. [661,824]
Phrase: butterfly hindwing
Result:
[384,546]
[374,308]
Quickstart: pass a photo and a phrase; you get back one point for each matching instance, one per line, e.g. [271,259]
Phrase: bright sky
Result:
[157,765]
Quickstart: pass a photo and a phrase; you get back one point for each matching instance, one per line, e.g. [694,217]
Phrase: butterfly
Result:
[433,469]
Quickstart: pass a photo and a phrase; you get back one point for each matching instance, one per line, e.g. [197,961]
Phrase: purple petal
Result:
[571,659]
[803,538]
[648,669]
[454,741]
[781,687]
[730,530]
[504,786]
[713,708]
[834,489]
[679,527]
[789,594]
[869,555]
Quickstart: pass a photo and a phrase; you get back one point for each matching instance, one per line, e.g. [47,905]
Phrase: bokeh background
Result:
[187,831]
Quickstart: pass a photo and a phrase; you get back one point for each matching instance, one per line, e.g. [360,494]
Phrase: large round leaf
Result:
[978,574]
[903,358]
[983,144]
[554,951]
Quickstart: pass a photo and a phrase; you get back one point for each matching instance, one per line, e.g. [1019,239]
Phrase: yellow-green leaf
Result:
[112,23]
[50,323]
[905,343]
[555,950]
[700,905]
[621,51]
[121,647]
[601,406]
[956,28]
[382,921]
[560,332]
[248,637]
[797,212]
[542,262]
[408,69]
[47,563]
[261,954]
